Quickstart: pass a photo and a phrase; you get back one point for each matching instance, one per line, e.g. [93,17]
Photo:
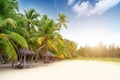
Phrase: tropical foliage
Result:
[99,50]
[31,17]
[62,20]
[9,40]
[31,31]
[70,48]
[8,8]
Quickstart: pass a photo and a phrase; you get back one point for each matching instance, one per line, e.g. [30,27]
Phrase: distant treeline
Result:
[99,50]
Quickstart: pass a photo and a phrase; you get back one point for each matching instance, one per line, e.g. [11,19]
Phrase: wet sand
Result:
[64,70]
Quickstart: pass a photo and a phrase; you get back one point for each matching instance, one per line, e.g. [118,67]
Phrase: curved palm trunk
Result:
[46,54]
[46,50]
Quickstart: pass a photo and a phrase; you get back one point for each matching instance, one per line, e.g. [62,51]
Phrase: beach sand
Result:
[64,70]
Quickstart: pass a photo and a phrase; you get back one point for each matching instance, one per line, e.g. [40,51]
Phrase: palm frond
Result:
[8,49]
[26,14]
[3,36]
[35,15]
[65,25]
[40,40]
[51,45]
[33,39]
[31,12]
[8,21]
[14,44]
[21,31]
[18,39]
[11,22]
[60,41]
[60,55]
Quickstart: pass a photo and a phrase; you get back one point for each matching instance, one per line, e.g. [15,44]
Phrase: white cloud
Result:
[82,9]
[70,2]
[104,5]
[86,9]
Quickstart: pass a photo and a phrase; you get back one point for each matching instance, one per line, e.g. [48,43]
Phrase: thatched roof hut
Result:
[49,54]
[23,51]
[50,57]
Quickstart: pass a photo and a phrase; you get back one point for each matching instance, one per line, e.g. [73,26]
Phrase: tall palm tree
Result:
[62,20]
[31,17]
[9,39]
[47,36]
[70,47]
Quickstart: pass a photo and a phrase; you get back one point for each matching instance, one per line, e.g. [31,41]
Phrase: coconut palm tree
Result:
[70,47]
[68,50]
[47,36]
[9,40]
[31,17]
[62,20]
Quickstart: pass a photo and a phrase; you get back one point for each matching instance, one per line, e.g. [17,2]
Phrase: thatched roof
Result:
[23,51]
[49,54]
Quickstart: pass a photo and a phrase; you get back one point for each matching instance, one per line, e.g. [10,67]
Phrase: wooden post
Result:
[13,63]
[36,57]
[20,57]
[24,61]
[1,58]
[32,56]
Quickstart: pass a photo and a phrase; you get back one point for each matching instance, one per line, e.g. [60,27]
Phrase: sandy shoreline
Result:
[65,70]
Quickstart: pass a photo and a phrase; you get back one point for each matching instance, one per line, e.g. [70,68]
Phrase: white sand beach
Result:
[65,70]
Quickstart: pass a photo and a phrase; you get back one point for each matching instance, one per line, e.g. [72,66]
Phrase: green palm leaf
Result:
[21,31]
[18,39]
[51,45]
[65,25]
[3,36]
[60,41]
[9,21]
[40,40]
[8,49]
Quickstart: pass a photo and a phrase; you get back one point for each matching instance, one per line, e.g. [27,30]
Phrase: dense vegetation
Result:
[32,31]
[100,51]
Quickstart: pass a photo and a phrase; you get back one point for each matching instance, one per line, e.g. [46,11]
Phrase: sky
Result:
[90,21]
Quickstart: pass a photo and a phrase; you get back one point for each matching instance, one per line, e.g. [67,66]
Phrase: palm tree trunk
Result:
[46,54]
[40,47]
[28,26]
[46,50]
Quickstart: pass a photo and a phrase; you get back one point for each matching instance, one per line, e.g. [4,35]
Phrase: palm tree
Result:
[8,8]
[68,50]
[62,20]
[9,40]
[70,47]
[21,25]
[47,36]
[31,17]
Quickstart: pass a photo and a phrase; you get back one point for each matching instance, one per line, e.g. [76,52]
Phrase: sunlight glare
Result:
[95,38]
